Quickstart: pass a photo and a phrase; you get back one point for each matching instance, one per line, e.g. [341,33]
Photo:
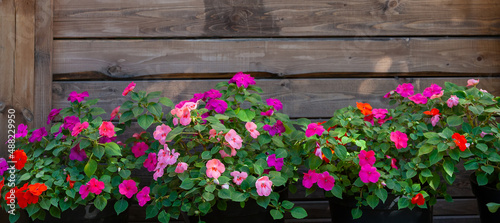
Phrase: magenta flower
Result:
[275,103]
[393,163]
[107,129]
[405,89]
[95,186]
[252,128]
[434,89]
[314,129]
[143,196]
[366,158]
[233,139]
[326,181]
[239,177]
[70,122]
[22,131]
[161,133]
[37,135]
[79,127]
[105,139]
[277,128]
[452,101]
[74,96]
[150,162]
[3,166]
[215,168]
[212,94]
[310,178]
[219,106]
[128,188]
[77,154]
[472,82]
[53,114]
[128,89]
[418,99]
[264,186]
[139,149]
[242,80]
[181,167]
[379,113]
[369,174]
[389,94]
[84,191]
[267,113]
[277,163]
[400,139]
[114,113]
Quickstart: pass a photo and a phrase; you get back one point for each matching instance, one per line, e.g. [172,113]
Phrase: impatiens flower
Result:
[405,89]
[77,154]
[212,133]
[212,94]
[95,186]
[277,163]
[437,95]
[128,188]
[161,133]
[139,149]
[400,139]
[310,178]
[53,114]
[434,89]
[84,191]
[233,139]
[275,103]
[223,153]
[37,135]
[107,129]
[389,94]
[460,141]
[367,158]
[277,128]
[482,134]
[369,174]
[472,82]
[71,182]
[267,113]
[452,101]
[319,153]
[74,96]
[252,128]
[215,168]
[264,186]
[225,186]
[418,199]
[105,139]
[326,181]
[143,196]
[432,112]
[158,173]
[482,90]
[70,122]
[128,89]
[150,162]
[239,177]
[114,113]
[219,106]
[22,131]
[37,189]
[393,163]
[20,158]
[181,167]
[379,113]
[242,80]
[365,108]
[314,129]
[3,166]
[435,120]
[418,99]
[167,157]
[138,136]
[79,127]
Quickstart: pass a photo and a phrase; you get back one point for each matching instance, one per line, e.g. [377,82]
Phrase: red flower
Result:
[19,156]
[365,108]
[1,184]
[418,199]
[71,182]
[37,189]
[460,141]
[432,112]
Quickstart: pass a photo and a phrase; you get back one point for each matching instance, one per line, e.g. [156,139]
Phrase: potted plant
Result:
[221,149]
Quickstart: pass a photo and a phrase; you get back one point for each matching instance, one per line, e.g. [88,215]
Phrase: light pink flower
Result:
[252,128]
[139,149]
[167,157]
[223,153]
[484,91]
[437,95]
[128,188]
[434,89]
[215,168]
[326,181]
[107,129]
[181,167]
[369,174]
[405,89]
[158,173]
[452,101]
[239,177]
[472,82]
[143,196]
[129,88]
[314,128]
[418,99]
[114,113]
[310,178]
[483,134]
[161,133]
[233,139]
[435,120]
[225,186]
[366,158]
[400,139]
[264,186]
[79,127]
[277,163]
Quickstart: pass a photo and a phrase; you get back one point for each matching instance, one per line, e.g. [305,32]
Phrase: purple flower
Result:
[105,139]
[418,99]
[74,96]
[212,94]
[242,79]
[198,96]
[276,103]
[77,154]
[277,128]
[405,89]
[3,166]
[22,131]
[37,135]
[277,163]
[434,89]
[70,122]
[53,114]
[219,106]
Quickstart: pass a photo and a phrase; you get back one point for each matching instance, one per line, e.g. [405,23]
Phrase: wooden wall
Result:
[320,54]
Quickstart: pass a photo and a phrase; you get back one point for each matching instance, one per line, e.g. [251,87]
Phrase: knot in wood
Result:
[479,58]
[393,4]
[114,70]
[2,104]
[27,114]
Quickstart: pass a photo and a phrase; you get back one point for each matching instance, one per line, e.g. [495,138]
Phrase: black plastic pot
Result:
[485,194]
[387,212]
[88,214]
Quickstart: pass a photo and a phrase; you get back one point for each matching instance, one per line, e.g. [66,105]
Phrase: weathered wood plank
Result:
[195,18]
[132,58]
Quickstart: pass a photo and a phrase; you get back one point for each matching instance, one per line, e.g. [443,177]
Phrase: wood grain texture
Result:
[257,18]
[132,58]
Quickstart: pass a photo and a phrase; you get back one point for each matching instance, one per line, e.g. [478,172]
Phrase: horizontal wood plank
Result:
[200,18]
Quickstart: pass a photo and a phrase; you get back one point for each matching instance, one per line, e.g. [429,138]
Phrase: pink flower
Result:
[77,154]
[366,158]
[484,91]
[437,95]
[379,113]
[215,168]
[275,103]
[212,94]
[161,133]
[242,79]
[181,167]
[314,128]
[79,127]
[389,94]
[239,177]
[84,191]
[393,163]
[233,139]
[435,120]
[22,131]
[400,139]
[74,96]
[128,89]
[452,101]
[219,106]
[418,99]
[472,82]
[53,114]
[252,128]
[267,113]
[405,89]
[95,186]
[277,128]
[277,163]
[434,89]
[3,167]
[213,133]
[483,134]
[167,157]
[115,112]
[128,188]
[70,122]
[139,149]
[264,186]
[326,181]
[150,162]
[223,153]
[37,135]
[369,174]
[158,173]
[310,178]
[143,196]
[107,129]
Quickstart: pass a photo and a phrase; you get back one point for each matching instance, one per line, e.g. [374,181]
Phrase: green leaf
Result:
[155,109]
[493,207]
[175,132]
[356,213]
[341,152]
[166,101]
[90,167]
[454,120]
[145,121]
[187,184]
[152,211]
[314,162]
[372,201]
[426,148]
[488,169]
[98,151]
[382,194]
[137,111]
[121,206]
[208,196]
[246,115]
[477,110]
[97,111]
[100,202]
[327,152]
[276,214]
[126,116]
[481,178]
[238,197]
[112,149]
[54,211]
[263,201]
[206,155]
[125,173]
[224,194]
[298,212]
[287,204]
[483,147]
[449,167]
[403,203]
[164,217]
